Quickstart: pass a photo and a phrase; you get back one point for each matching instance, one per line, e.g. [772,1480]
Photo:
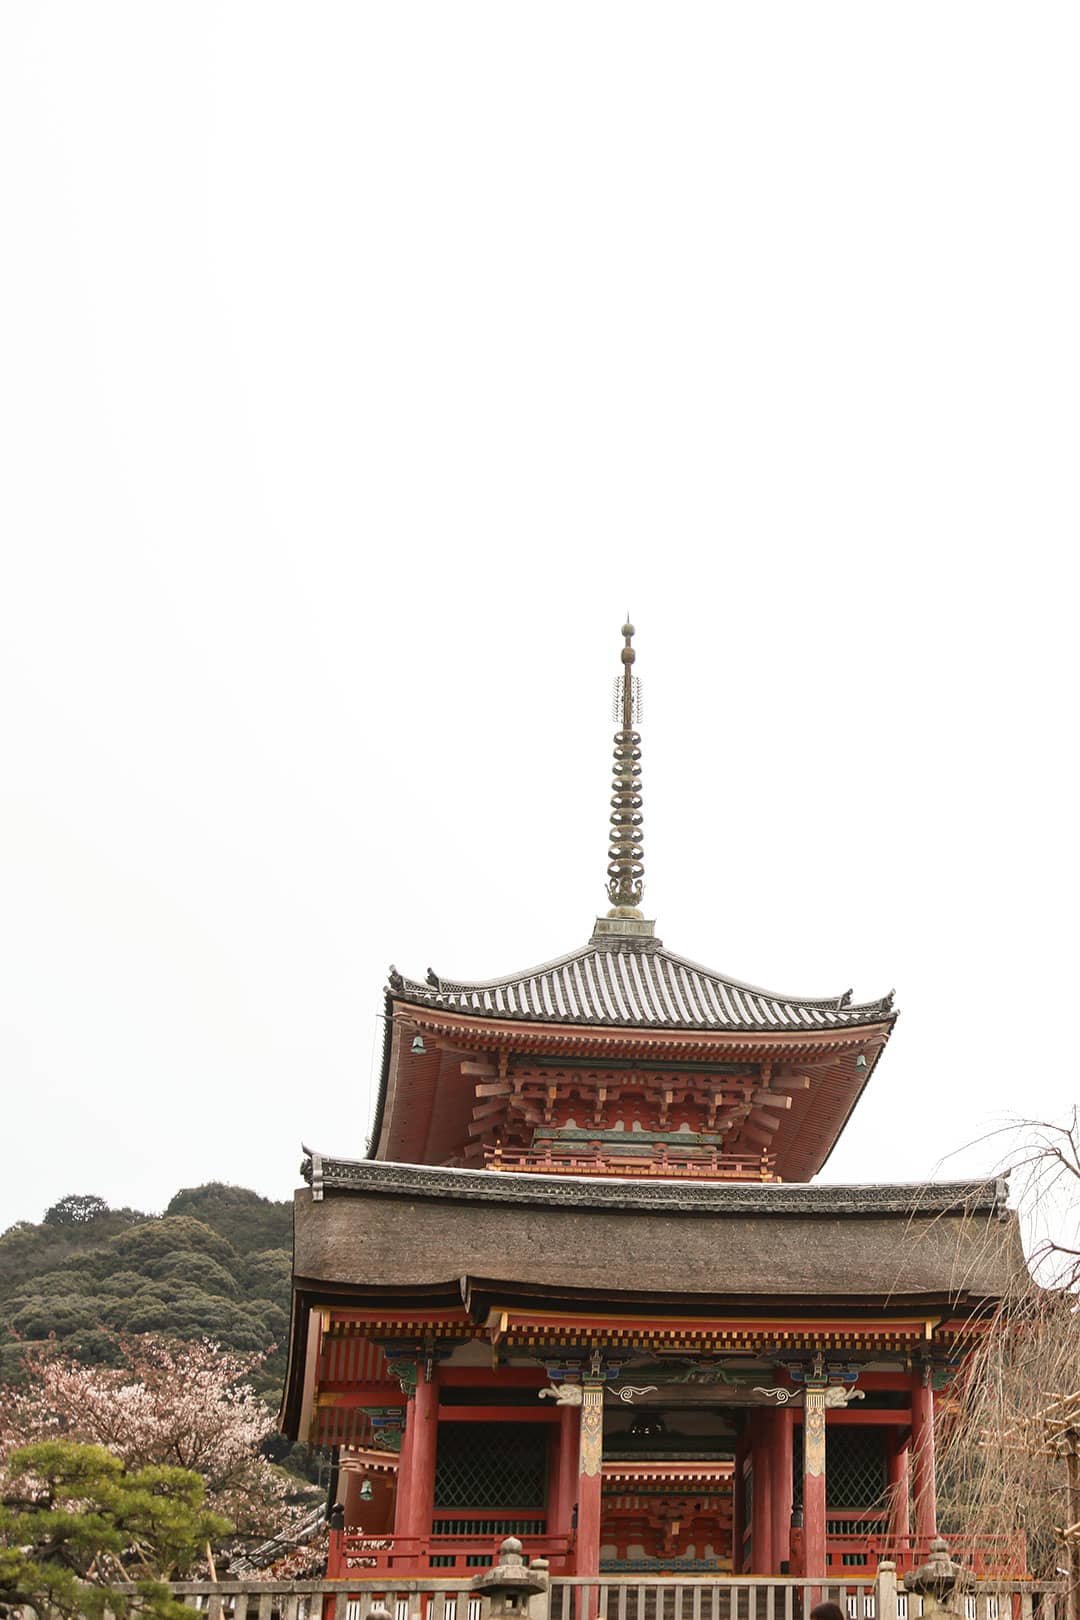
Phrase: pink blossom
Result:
[186,1405]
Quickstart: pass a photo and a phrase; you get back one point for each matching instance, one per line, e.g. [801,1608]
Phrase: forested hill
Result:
[216,1264]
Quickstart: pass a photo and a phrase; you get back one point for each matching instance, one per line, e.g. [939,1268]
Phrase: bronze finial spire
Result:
[626,872]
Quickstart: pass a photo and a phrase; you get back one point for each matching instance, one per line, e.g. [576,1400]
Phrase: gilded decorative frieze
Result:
[592,1428]
[814,1430]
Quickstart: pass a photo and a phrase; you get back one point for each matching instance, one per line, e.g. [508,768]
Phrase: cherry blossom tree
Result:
[167,1404]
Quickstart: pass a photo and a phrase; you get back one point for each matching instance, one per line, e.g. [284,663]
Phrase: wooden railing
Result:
[581,1162]
[690,1597]
[988,1557]
[745,1597]
[464,1553]
[853,1554]
[610,1597]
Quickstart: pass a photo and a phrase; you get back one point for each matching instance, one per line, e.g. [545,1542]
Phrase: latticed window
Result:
[855,1473]
[854,1467]
[491,1465]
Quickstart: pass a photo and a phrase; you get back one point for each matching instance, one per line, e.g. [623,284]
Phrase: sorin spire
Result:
[626,871]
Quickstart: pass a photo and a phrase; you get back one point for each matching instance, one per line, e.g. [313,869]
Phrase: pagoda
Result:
[584,1291]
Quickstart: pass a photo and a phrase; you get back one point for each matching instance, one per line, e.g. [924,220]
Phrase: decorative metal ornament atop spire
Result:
[626,871]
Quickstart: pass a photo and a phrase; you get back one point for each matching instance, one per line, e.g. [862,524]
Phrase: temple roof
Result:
[636,983]
[534,1260]
[326,1175]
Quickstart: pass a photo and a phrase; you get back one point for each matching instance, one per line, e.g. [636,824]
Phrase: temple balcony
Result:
[660,1161]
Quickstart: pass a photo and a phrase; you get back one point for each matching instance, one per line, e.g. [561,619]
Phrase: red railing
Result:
[472,1546]
[465,1552]
[582,1162]
[988,1557]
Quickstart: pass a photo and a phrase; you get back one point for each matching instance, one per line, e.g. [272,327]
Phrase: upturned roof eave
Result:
[432,1005]
[384,1077]
[853,1103]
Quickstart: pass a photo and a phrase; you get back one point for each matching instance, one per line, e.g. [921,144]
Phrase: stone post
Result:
[885,1607]
[540,1602]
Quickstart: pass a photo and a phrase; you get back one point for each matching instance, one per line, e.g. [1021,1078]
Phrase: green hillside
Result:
[216,1264]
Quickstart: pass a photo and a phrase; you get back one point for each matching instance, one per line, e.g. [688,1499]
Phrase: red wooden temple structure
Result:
[584,1291]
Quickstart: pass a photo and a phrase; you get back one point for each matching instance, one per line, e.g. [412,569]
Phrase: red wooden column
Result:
[899,1512]
[762,1492]
[563,1473]
[783,1483]
[590,1455]
[922,1446]
[814,1556]
[403,1480]
[738,1519]
[416,1467]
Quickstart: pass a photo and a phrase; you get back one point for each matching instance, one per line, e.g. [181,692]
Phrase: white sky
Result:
[360,365]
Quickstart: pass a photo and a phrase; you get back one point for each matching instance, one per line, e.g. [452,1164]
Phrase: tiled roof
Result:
[330,1175]
[625,985]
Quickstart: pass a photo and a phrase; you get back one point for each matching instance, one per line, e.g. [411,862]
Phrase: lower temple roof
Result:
[535,1260]
[379,1228]
[330,1175]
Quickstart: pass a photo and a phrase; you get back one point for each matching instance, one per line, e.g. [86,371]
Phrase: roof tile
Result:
[626,986]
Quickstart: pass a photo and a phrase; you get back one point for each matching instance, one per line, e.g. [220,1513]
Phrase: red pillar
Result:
[590,1454]
[899,1511]
[922,1445]
[738,1517]
[762,1493]
[416,1467]
[814,1555]
[563,1474]
[783,1462]
[554,1455]
[403,1481]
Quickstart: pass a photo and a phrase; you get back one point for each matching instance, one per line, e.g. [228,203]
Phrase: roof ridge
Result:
[503,978]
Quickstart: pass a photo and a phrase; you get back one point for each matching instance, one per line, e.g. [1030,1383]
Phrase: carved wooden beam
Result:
[756,1134]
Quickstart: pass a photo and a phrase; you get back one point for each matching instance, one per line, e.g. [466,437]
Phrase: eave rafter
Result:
[496,1037]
